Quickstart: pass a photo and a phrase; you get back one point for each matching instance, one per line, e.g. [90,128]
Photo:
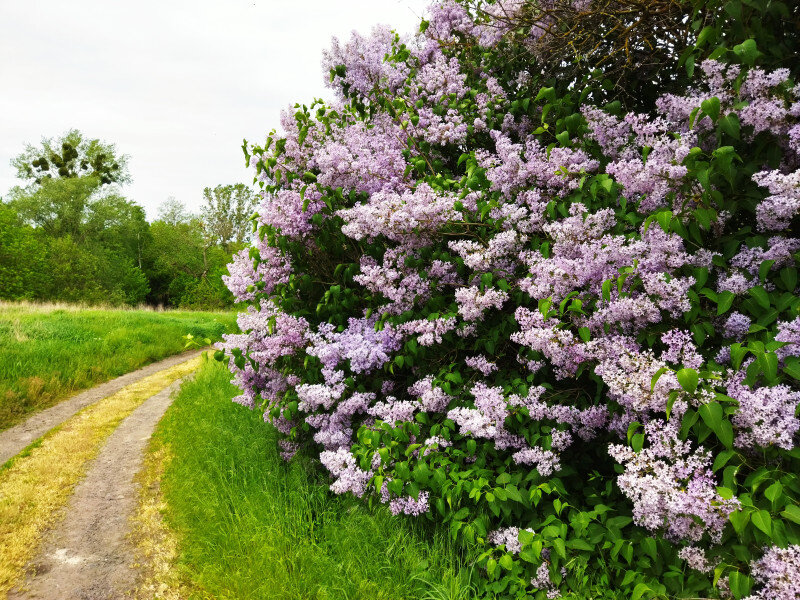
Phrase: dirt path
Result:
[15,439]
[88,556]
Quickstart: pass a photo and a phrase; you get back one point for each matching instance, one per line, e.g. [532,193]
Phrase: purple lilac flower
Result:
[789,333]
[737,326]
[480,363]
[778,574]
[766,415]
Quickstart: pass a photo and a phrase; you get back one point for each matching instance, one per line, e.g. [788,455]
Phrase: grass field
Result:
[251,526]
[50,352]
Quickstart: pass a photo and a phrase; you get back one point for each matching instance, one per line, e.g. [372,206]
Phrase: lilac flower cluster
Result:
[672,486]
[766,415]
[508,537]
[445,292]
[778,573]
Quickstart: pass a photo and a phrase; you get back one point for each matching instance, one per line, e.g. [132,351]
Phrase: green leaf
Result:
[664,218]
[491,566]
[656,376]
[688,378]
[730,125]
[461,514]
[607,290]
[579,544]
[762,520]
[764,268]
[761,296]
[739,519]
[712,415]
[789,278]
[640,590]
[747,51]
[725,433]
[507,562]
[740,584]
[792,513]
[558,545]
[722,459]
[793,369]
[708,32]
[769,364]
[773,492]
[724,301]
[711,108]
[649,546]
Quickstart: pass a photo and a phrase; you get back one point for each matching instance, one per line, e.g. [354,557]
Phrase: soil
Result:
[15,439]
[88,555]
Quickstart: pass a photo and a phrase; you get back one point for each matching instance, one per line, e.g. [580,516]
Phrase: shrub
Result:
[560,320]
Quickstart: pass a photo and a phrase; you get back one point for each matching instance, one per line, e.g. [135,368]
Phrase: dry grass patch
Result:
[35,486]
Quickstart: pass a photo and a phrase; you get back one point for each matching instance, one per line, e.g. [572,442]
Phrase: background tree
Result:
[69,234]
[173,211]
[22,257]
[184,262]
[226,213]
[70,156]
[56,206]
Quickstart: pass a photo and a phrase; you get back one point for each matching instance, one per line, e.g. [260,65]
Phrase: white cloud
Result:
[174,84]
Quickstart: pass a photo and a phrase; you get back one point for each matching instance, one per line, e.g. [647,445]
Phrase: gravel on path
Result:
[17,438]
[88,556]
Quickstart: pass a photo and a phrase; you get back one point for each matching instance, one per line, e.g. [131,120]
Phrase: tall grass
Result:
[48,352]
[253,526]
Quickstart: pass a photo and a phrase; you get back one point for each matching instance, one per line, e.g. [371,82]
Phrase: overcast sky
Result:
[174,84]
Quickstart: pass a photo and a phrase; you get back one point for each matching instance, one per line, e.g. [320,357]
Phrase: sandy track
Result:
[15,439]
[88,556]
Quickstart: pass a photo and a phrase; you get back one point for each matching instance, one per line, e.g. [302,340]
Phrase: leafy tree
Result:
[174,259]
[72,156]
[23,265]
[120,224]
[173,211]
[70,235]
[56,206]
[79,272]
[227,212]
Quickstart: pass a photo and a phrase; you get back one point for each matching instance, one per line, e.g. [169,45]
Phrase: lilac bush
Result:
[565,327]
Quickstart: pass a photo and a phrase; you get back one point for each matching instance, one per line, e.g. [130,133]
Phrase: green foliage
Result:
[22,257]
[69,236]
[253,527]
[49,353]
[227,213]
[184,267]
[581,519]
[71,156]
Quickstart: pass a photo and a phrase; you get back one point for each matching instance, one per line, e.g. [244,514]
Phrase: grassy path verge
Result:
[251,526]
[49,353]
[35,486]
[17,438]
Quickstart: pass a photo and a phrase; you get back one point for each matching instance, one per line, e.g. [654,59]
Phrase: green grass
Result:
[50,352]
[252,526]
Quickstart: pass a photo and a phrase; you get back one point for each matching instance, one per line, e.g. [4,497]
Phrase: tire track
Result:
[88,555]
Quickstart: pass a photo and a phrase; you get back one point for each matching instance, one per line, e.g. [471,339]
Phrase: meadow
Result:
[48,352]
[250,525]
